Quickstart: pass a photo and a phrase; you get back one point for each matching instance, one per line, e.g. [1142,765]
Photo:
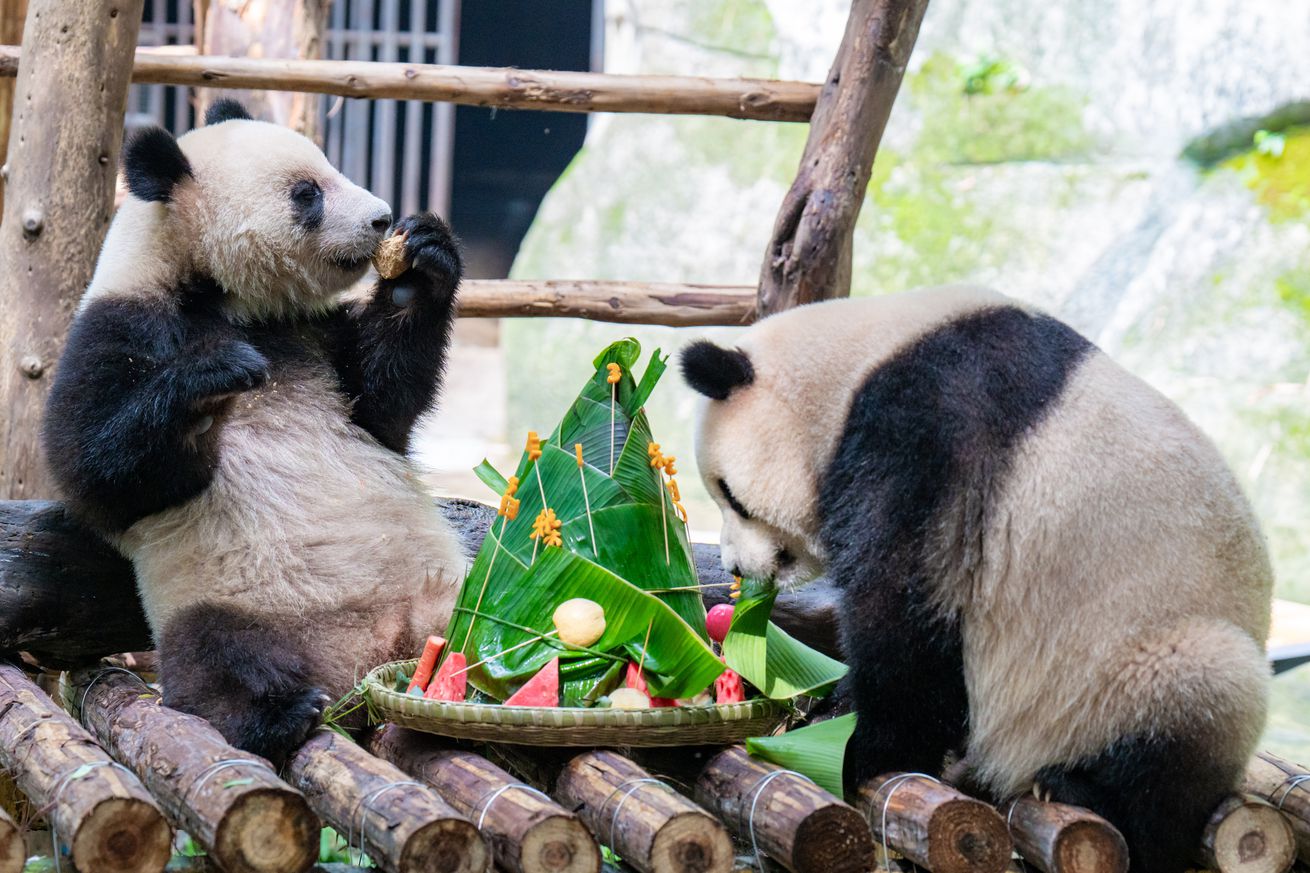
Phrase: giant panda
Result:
[239,431]
[1045,569]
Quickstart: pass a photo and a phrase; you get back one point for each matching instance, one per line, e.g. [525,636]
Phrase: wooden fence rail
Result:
[503,88]
[623,302]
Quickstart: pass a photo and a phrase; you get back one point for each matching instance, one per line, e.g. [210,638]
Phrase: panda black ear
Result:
[154,164]
[226,109]
[715,371]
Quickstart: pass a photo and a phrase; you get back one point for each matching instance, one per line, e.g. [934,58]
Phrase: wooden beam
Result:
[1247,835]
[1286,786]
[1059,838]
[934,825]
[63,158]
[499,87]
[809,254]
[622,302]
[12,15]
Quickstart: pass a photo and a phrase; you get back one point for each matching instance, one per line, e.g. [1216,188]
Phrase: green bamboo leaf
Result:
[654,370]
[491,477]
[780,666]
[818,751]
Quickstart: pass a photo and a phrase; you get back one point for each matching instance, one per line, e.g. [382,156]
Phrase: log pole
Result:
[402,825]
[229,801]
[647,823]
[99,811]
[12,15]
[1247,835]
[62,160]
[13,853]
[599,300]
[1287,787]
[528,832]
[935,825]
[499,87]
[784,815]
[1059,838]
[809,254]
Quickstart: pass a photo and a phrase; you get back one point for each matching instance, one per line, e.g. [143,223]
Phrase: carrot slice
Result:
[423,672]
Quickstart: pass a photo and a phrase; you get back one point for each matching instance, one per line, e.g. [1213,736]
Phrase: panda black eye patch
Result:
[733,501]
[307,204]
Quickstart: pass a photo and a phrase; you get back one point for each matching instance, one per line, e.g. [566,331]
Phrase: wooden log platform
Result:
[99,811]
[934,825]
[643,820]
[12,850]
[502,88]
[1059,838]
[405,827]
[783,815]
[1287,787]
[231,802]
[1247,835]
[527,831]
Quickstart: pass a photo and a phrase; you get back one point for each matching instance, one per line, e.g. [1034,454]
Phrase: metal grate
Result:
[399,150]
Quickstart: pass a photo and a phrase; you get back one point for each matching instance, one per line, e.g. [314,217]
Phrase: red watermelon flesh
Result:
[451,681]
[637,681]
[728,688]
[541,690]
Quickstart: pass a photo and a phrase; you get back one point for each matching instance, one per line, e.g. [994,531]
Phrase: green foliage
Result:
[1277,169]
[766,656]
[817,750]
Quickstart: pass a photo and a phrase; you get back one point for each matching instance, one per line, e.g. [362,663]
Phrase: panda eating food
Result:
[239,432]
[1045,568]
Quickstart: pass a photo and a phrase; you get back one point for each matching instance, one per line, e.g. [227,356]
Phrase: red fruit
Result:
[728,688]
[541,690]
[718,620]
[637,681]
[451,681]
[423,672]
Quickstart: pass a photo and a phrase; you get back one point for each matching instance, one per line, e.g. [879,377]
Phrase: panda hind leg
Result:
[1158,791]
[243,675]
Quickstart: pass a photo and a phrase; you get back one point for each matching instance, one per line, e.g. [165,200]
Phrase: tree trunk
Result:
[809,253]
[934,825]
[1286,786]
[1246,835]
[401,825]
[12,15]
[528,833]
[288,29]
[101,813]
[1058,838]
[647,823]
[787,817]
[247,819]
[63,157]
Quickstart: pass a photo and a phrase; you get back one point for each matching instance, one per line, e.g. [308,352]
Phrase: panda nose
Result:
[381,222]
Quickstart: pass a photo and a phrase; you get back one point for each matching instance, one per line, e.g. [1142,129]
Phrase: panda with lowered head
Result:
[1044,567]
[239,432]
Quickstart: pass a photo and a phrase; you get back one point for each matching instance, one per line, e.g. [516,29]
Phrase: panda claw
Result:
[432,250]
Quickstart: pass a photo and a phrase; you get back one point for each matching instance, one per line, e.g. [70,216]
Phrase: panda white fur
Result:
[239,432]
[1045,567]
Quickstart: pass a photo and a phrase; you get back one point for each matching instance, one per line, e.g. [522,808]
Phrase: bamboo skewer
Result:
[1287,787]
[935,825]
[1059,838]
[514,648]
[231,802]
[586,498]
[1247,835]
[642,819]
[528,832]
[614,374]
[491,564]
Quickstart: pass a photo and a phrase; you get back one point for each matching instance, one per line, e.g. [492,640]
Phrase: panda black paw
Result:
[432,251]
[281,724]
[233,367]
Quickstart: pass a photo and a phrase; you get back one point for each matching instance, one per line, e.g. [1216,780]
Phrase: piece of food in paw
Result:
[580,622]
[628,698]
[390,259]
[451,682]
[541,690]
[426,663]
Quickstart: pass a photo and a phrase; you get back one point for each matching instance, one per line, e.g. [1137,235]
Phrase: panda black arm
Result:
[390,350]
[128,427]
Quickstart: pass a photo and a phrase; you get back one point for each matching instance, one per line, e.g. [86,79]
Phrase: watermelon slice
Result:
[728,688]
[451,681]
[637,681]
[541,690]
[423,672]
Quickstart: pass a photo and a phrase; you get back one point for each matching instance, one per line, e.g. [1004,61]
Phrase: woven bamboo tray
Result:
[560,726]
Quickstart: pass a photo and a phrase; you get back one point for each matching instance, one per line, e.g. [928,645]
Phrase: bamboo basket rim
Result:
[569,726]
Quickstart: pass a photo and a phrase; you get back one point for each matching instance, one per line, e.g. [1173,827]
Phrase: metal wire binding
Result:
[81,707]
[893,785]
[219,766]
[495,793]
[631,785]
[362,808]
[756,790]
[1287,786]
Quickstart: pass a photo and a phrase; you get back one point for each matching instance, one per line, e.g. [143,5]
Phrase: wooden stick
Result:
[641,818]
[809,253]
[785,816]
[13,852]
[1287,787]
[586,498]
[231,802]
[402,826]
[1059,838]
[614,398]
[503,88]
[528,832]
[934,825]
[604,300]
[1247,835]
[491,563]
[99,810]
